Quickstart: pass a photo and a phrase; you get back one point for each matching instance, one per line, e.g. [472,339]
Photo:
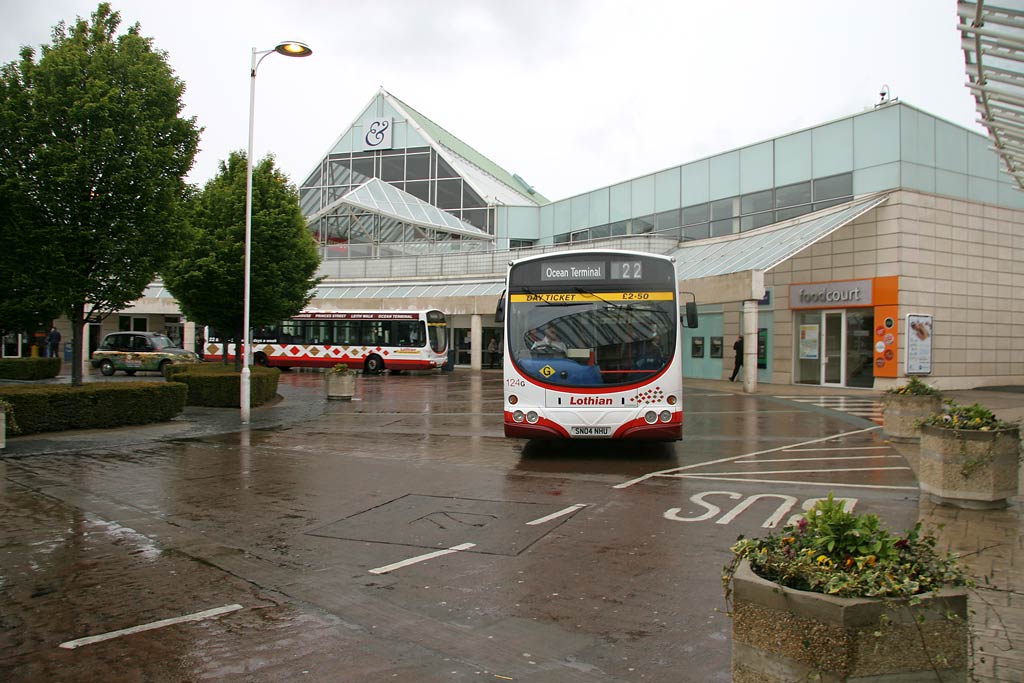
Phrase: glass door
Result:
[833,358]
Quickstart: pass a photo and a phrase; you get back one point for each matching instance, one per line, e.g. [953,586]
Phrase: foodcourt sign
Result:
[847,294]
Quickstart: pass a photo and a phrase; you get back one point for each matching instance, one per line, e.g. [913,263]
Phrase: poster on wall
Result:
[809,342]
[919,344]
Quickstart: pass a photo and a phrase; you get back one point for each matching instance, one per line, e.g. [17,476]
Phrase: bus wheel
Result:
[261,360]
[374,365]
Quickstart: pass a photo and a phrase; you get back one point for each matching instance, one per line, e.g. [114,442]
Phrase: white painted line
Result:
[197,616]
[556,515]
[826,458]
[840,448]
[645,477]
[826,484]
[817,471]
[421,558]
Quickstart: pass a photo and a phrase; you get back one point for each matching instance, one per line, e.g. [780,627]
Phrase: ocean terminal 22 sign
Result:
[848,294]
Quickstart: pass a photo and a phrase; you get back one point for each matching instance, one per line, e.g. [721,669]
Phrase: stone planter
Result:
[902,412]
[968,468]
[782,634]
[3,427]
[340,385]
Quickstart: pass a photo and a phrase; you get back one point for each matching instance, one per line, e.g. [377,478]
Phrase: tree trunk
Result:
[77,319]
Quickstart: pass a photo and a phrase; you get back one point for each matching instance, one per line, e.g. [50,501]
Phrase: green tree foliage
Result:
[93,152]
[207,277]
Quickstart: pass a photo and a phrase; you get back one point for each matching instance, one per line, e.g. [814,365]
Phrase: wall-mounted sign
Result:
[377,134]
[919,344]
[809,342]
[848,294]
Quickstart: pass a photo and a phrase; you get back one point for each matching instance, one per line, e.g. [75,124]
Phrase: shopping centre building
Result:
[885,243]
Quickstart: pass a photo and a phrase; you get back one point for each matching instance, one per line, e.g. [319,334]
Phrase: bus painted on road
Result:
[372,340]
[592,346]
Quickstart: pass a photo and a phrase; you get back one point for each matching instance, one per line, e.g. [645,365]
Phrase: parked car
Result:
[134,351]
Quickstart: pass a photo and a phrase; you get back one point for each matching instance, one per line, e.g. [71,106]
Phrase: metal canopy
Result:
[992,37]
[379,197]
[767,247]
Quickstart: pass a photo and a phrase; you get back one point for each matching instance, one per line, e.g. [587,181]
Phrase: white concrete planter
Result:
[969,468]
[781,634]
[902,412]
[340,386]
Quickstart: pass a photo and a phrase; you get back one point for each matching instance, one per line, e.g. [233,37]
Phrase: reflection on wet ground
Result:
[567,578]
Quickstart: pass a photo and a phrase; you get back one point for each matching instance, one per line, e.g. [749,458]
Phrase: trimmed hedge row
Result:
[29,368]
[98,405]
[218,386]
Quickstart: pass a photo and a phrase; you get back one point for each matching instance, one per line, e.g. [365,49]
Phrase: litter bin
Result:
[450,365]
[67,352]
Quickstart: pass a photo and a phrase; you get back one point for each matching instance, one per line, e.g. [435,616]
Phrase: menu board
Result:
[808,342]
[919,344]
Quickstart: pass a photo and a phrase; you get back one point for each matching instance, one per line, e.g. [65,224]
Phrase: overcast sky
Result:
[570,94]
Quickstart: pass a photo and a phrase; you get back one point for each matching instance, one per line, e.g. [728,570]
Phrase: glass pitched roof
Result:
[765,248]
[404,290]
[379,197]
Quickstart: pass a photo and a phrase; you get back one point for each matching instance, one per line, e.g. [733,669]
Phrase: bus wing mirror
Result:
[690,319]
[499,312]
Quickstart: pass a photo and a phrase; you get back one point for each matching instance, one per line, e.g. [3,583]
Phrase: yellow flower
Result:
[824,561]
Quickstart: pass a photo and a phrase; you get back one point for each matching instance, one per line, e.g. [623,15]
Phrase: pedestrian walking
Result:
[53,343]
[738,348]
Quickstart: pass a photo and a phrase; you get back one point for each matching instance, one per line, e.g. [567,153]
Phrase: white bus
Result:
[372,340]
[592,346]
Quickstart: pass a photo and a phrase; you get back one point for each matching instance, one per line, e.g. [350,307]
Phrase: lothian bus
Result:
[592,346]
[372,340]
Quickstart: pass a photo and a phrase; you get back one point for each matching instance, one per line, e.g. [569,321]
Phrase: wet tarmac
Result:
[400,536]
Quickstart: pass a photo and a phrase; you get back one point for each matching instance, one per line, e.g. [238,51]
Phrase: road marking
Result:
[838,448]
[814,471]
[668,472]
[197,616]
[827,484]
[556,515]
[827,458]
[421,558]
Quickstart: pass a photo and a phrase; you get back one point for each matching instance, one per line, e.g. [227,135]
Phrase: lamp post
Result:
[289,48]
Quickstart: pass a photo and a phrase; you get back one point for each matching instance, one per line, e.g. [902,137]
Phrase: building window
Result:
[833,187]
[793,195]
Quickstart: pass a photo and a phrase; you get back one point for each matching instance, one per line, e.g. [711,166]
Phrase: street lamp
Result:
[288,48]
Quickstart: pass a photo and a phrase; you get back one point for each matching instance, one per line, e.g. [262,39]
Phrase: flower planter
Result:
[782,634]
[902,413]
[340,385]
[969,468]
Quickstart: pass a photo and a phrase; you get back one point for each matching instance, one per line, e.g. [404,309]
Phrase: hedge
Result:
[97,405]
[217,385]
[29,368]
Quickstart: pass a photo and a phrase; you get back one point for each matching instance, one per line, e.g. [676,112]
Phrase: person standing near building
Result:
[53,343]
[737,346]
[492,352]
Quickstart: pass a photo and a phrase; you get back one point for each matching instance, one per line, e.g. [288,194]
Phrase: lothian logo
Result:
[589,401]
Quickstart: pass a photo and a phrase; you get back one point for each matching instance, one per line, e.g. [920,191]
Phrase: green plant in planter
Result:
[839,553]
[914,387]
[973,418]
[342,369]
[12,425]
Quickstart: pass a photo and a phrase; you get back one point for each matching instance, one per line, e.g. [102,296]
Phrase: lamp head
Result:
[293,48]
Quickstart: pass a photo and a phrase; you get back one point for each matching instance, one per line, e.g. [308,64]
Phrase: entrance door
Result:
[833,359]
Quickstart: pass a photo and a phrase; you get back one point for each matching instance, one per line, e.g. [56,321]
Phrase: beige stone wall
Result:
[961,262]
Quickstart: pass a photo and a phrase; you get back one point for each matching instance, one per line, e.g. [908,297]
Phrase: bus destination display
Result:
[558,271]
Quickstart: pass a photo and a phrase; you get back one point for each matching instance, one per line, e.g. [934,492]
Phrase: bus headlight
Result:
[672,399]
[665,416]
[650,417]
[532,417]
[518,416]
[513,399]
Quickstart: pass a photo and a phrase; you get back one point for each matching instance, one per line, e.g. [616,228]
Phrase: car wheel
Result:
[163,367]
[107,368]
[374,365]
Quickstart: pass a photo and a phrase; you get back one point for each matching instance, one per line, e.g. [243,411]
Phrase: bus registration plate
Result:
[591,431]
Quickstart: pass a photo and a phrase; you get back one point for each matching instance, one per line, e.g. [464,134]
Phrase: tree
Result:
[208,277]
[93,156]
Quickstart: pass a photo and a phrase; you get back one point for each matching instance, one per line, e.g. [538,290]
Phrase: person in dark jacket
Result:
[738,348]
[53,343]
